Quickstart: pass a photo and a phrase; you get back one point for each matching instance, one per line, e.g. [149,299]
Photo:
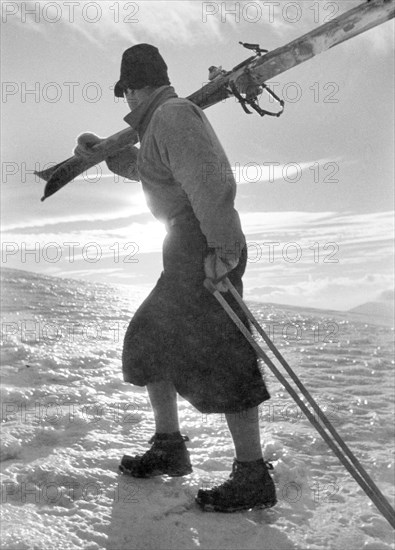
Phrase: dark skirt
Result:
[182,334]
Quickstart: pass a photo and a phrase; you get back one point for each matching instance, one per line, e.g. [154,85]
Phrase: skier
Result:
[180,340]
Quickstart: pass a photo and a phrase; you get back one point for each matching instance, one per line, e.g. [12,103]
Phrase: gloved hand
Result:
[85,142]
[216,270]
[124,162]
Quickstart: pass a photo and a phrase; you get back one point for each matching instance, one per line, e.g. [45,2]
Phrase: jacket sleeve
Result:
[124,163]
[190,148]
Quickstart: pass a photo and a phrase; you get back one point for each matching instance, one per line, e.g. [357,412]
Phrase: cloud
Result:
[386,296]
[181,22]
[130,238]
[339,293]
[97,22]
[297,18]
[350,228]
[323,259]
[52,223]
[109,203]
[355,234]
[380,40]
[253,172]
[319,259]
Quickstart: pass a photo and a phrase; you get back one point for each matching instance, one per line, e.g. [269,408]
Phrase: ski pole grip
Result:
[208,283]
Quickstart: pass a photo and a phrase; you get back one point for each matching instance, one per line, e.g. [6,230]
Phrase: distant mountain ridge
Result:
[376,309]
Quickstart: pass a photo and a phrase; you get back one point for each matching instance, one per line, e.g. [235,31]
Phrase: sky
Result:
[315,187]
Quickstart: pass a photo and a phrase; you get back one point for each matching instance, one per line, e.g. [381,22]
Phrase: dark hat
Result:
[142,65]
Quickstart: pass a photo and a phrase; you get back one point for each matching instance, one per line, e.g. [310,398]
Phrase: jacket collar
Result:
[140,117]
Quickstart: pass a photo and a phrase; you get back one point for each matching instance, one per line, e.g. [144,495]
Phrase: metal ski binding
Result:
[250,90]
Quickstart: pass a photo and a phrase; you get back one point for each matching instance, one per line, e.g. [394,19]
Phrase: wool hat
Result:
[142,65]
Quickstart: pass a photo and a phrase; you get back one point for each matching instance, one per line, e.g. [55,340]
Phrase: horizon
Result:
[315,187]
[367,312]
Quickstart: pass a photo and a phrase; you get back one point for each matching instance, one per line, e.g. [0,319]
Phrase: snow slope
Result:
[67,418]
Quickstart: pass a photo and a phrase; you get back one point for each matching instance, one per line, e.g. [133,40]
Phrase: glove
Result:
[124,162]
[216,270]
[85,142]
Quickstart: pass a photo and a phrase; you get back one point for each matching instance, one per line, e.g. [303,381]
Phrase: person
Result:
[180,340]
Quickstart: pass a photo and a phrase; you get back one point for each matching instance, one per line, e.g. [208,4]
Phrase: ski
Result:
[246,82]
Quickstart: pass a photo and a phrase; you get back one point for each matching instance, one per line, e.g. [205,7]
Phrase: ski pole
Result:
[347,451]
[380,504]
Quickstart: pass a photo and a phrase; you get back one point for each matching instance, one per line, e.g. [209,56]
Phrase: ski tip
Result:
[40,173]
[43,198]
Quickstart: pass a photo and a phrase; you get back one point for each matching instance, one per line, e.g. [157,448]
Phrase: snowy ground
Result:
[67,418]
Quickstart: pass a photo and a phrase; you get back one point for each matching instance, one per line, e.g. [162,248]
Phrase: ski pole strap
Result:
[252,102]
[365,482]
[275,96]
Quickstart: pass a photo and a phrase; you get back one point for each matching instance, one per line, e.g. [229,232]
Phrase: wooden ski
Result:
[256,70]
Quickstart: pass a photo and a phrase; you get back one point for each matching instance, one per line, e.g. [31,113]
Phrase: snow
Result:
[67,419]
